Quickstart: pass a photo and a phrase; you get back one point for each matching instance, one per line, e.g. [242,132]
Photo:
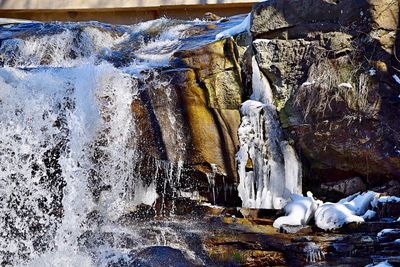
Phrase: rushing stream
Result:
[71,164]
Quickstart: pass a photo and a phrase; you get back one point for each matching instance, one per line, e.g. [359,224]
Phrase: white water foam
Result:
[69,151]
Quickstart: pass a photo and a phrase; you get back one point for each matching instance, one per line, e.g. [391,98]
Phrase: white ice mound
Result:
[334,215]
[381,264]
[299,211]
[359,203]
[384,200]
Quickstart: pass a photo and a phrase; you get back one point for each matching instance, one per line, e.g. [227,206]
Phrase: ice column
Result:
[268,166]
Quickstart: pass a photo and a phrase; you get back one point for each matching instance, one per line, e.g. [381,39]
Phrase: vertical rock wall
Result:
[333,69]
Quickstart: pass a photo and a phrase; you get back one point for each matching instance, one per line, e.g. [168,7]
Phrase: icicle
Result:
[268,167]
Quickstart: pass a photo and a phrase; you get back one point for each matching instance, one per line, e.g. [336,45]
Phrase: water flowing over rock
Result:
[167,142]
[100,122]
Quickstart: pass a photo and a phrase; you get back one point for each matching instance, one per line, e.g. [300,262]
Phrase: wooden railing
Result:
[119,11]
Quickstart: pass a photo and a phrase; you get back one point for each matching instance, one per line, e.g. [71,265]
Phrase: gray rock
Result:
[346,187]
[161,256]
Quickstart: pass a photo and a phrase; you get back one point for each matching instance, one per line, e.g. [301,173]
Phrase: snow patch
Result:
[298,212]
[372,72]
[334,215]
[307,83]
[388,232]
[345,85]
[242,27]
[384,199]
[370,214]
[396,78]
[381,264]
[328,216]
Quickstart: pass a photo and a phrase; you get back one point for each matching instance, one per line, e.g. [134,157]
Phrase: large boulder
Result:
[188,115]
[332,67]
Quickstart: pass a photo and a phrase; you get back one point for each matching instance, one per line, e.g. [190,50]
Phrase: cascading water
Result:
[269,169]
[68,149]
[72,166]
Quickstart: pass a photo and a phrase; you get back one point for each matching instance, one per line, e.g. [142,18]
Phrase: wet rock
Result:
[242,250]
[211,16]
[224,90]
[139,212]
[250,213]
[209,59]
[293,229]
[388,209]
[388,235]
[190,113]
[368,227]
[391,188]
[161,256]
[212,132]
[233,241]
[249,257]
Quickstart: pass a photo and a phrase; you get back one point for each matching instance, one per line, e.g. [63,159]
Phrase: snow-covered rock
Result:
[381,264]
[384,199]
[299,211]
[242,27]
[334,215]
[370,214]
[350,209]
[329,216]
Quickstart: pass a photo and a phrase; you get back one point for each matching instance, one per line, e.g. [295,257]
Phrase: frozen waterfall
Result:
[268,166]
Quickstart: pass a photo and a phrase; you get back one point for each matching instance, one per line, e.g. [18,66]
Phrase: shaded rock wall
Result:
[331,64]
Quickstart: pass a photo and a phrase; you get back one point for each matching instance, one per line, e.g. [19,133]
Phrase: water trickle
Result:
[313,252]
[268,166]
[211,181]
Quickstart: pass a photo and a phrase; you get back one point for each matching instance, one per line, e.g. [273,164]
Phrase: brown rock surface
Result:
[191,113]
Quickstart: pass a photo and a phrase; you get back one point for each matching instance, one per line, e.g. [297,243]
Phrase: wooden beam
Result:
[130,15]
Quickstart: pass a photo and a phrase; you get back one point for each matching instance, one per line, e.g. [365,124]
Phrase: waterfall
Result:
[93,133]
[269,169]
[69,150]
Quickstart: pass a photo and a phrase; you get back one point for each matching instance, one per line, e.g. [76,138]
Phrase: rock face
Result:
[188,115]
[331,64]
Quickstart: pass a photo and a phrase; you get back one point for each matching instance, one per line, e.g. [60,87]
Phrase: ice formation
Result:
[268,166]
[334,215]
[396,78]
[369,214]
[299,211]
[386,232]
[242,27]
[313,252]
[68,146]
[345,85]
[384,199]
[328,216]
[380,264]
